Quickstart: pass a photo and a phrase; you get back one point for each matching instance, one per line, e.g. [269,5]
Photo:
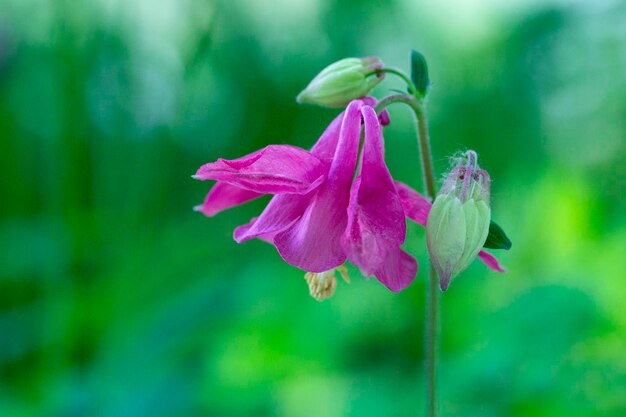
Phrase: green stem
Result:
[432,310]
[405,78]
[432,299]
[422,137]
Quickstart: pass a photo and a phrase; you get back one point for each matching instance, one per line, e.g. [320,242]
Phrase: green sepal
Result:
[497,239]
[419,73]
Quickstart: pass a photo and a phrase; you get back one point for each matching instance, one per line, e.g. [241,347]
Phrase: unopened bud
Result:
[458,223]
[341,82]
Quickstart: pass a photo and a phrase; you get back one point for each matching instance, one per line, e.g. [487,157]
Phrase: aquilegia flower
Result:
[321,215]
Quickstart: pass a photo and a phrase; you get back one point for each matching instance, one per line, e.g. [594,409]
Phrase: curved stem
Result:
[405,78]
[422,137]
[432,298]
[398,98]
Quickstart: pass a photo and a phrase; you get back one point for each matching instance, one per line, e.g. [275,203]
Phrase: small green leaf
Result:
[497,239]
[419,72]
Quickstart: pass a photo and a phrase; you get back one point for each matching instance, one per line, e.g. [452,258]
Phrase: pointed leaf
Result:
[497,239]
[419,72]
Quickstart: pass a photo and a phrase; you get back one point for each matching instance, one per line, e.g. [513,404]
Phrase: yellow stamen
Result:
[322,285]
[344,273]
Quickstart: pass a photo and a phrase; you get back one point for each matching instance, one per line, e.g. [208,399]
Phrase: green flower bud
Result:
[341,82]
[458,222]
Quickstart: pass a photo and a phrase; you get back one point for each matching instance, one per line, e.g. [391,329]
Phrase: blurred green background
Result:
[116,299]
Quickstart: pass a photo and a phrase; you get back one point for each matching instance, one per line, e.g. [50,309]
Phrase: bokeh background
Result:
[116,299]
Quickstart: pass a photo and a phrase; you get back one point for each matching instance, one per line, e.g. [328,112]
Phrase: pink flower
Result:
[320,215]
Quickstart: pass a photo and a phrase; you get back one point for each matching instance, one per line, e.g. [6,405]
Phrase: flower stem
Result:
[405,78]
[422,137]
[432,309]
[432,298]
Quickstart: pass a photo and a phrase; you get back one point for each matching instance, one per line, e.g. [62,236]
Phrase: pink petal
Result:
[383,117]
[416,206]
[376,222]
[312,243]
[244,228]
[281,212]
[398,270]
[325,147]
[274,169]
[491,261]
[223,196]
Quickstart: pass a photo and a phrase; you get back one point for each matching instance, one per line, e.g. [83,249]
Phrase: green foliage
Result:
[419,73]
[116,299]
[497,239]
